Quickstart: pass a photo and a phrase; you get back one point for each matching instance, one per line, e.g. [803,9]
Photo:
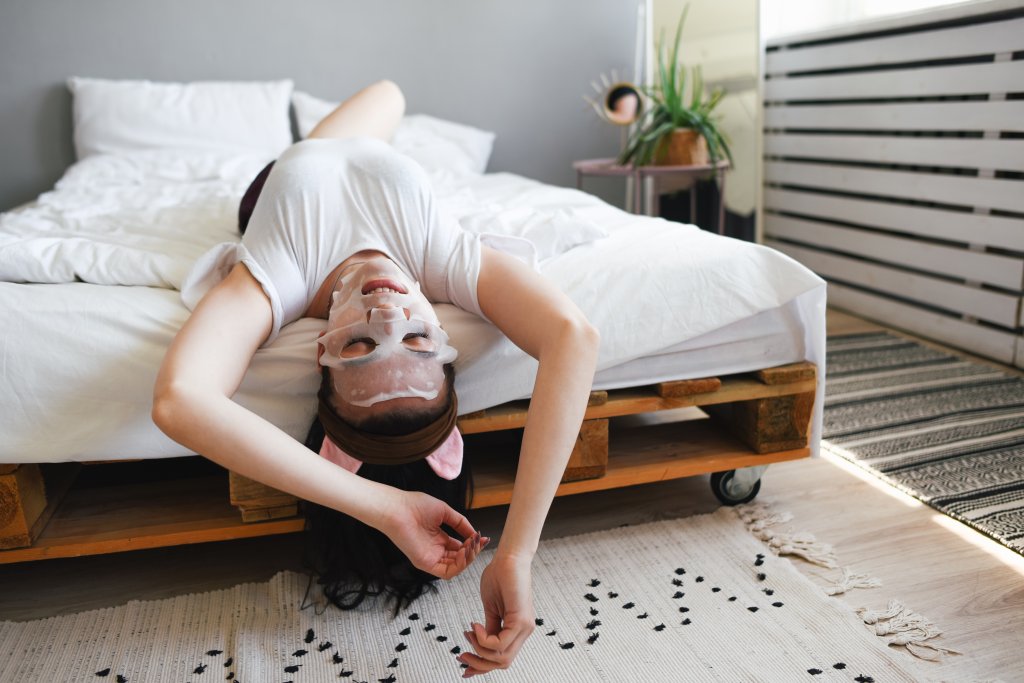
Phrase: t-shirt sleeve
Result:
[275,251]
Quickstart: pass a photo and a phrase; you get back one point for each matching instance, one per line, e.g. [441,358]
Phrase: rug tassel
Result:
[849,581]
[906,628]
[758,517]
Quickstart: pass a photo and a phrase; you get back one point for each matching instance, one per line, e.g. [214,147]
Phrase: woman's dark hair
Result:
[353,560]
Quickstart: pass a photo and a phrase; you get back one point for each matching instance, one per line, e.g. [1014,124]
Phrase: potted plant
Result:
[674,130]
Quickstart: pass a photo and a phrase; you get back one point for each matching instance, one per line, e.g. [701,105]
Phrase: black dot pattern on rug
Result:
[344,674]
[768,591]
[394,663]
[594,583]
[678,594]
[405,631]
[699,579]
[659,627]
[864,679]
[121,679]
[538,622]
[442,639]
[838,665]
[310,637]
[642,616]
[814,672]
[337,659]
[104,673]
[592,638]
[299,653]
[400,647]
[292,668]
[684,610]
[199,669]
[567,646]
[680,571]
[761,576]
[592,624]
[752,608]
[326,645]
[593,611]
[414,616]
[455,650]
[591,597]
[229,662]
[715,589]
[389,679]
[677,582]
[776,604]
[685,622]
[629,605]
[551,633]
[732,598]
[612,595]
[430,627]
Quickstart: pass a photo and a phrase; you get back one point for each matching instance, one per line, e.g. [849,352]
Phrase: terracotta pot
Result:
[684,147]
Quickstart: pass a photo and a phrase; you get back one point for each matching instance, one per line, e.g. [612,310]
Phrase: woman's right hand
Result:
[415,527]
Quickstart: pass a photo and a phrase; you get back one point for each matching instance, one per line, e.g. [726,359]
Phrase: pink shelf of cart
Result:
[608,167]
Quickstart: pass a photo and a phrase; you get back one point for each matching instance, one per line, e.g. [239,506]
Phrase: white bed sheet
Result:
[78,360]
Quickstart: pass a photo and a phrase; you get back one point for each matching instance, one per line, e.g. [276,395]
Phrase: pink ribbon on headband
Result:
[446,460]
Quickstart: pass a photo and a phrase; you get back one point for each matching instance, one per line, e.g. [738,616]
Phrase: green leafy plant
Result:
[668,110]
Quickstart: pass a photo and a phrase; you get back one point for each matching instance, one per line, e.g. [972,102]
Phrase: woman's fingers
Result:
[458,522]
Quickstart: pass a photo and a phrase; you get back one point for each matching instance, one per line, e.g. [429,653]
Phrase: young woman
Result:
[345,229]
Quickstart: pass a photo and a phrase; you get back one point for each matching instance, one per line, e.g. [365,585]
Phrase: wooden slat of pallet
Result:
[137,516]
[641,455]
[109,519]
[638,400]
[22,503]
[589,456]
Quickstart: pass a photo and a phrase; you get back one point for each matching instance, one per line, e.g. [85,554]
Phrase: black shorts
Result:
[248,202]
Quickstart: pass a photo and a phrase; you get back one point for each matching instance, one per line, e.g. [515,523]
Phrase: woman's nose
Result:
[387,313]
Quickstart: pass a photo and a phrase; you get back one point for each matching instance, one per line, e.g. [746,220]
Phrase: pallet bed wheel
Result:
[734,487]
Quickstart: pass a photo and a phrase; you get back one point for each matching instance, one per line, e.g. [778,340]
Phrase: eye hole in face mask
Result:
[419,342]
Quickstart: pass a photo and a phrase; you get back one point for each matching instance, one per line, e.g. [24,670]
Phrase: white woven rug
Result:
[695,599]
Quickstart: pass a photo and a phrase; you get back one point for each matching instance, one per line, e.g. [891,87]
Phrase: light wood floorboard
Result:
[970,586]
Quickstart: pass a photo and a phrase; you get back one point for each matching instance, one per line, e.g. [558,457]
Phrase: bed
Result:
[94,283]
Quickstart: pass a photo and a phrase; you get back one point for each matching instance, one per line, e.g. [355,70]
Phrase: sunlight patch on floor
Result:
[997,550]
[830,453]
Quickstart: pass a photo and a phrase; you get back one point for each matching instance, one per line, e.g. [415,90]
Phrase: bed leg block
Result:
[768,425]
[589,459]
[22,503]
[258,502]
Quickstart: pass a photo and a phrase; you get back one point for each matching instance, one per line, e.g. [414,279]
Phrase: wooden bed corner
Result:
[756,419]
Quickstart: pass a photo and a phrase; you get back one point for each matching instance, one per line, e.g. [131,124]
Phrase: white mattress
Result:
[78,360]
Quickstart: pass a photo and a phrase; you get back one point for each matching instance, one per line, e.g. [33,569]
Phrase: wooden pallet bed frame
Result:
[758,418]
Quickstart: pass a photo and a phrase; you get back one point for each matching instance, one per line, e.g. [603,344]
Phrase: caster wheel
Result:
[720,486]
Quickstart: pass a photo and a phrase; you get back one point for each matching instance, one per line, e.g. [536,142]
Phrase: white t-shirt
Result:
[327,199]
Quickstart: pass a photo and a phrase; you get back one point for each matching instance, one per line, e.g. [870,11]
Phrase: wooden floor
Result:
[970,586]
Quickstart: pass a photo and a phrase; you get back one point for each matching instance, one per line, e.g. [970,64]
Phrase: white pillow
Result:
[435,143]
[112,117]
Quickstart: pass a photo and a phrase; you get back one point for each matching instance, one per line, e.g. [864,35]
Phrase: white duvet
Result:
[649,285]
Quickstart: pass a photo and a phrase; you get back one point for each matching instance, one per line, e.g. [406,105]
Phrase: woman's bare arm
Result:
[375,111]
[192,404]
[544,322]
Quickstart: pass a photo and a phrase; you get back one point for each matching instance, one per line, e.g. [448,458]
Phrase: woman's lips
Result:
[370,286]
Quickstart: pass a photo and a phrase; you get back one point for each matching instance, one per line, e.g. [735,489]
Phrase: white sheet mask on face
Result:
[387,357]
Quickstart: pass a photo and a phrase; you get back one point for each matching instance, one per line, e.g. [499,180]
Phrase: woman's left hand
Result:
[415,527]
[507,594]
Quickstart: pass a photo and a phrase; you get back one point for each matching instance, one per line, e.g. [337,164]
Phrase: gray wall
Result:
[519,68]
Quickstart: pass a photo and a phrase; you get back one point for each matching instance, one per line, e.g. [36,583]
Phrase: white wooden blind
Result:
[894,168]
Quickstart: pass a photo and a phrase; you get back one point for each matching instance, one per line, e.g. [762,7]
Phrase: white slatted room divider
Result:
[894,168]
